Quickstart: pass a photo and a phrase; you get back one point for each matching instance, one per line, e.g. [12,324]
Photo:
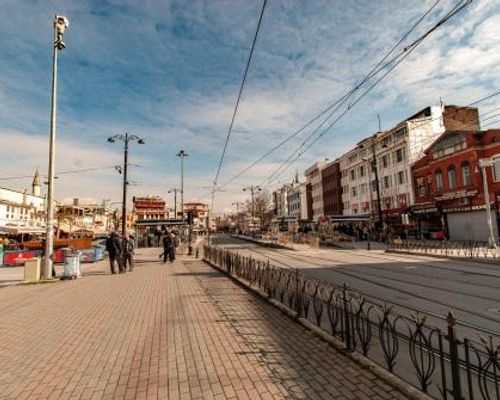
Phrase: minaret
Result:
[36,186]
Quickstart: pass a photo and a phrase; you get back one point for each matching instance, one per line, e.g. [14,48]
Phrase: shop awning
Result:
[20,230]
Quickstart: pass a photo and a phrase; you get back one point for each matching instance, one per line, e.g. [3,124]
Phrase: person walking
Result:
[128,252]
[114,248]
[168,247]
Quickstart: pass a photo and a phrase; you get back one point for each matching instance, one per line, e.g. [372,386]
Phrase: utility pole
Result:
[124,170]
[175,190]
[237,204]
[182,154]
[483,163]
[60,25]
[252,190]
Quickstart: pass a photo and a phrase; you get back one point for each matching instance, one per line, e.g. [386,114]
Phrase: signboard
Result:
[456,195]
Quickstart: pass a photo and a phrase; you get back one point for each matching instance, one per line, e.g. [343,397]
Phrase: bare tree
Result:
[262,204]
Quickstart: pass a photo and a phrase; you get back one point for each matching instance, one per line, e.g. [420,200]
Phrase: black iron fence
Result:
[441,363]
[448,248]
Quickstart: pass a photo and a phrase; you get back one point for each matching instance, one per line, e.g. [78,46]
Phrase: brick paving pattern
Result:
[176,331]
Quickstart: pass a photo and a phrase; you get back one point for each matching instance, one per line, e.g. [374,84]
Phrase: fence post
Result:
[347,321]
[297,296]
[453,343]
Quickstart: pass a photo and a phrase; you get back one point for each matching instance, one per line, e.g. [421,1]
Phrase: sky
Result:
[169,72]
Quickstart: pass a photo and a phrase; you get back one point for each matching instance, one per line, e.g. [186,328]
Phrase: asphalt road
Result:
[435,286]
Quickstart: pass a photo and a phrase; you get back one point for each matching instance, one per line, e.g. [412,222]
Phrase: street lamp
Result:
[174,190]
[182,154]
[237,204]
[60,25]
[126,138]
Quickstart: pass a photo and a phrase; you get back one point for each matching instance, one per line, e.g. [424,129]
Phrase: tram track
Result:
[385,285]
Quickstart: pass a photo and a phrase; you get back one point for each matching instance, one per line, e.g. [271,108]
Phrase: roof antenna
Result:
[379,124]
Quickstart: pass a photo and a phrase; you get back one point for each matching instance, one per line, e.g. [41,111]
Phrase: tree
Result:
[262,204]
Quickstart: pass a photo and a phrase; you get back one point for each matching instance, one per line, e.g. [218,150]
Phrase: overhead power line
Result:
[398,59]
[73,171]
[228,135]
[377,68]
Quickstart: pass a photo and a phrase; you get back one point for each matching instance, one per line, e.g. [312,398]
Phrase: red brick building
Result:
[332,189]
[149,207]
[448,185]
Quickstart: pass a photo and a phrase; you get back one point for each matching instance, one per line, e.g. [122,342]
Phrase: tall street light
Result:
[125,139]
[60,25]
[182,154]
[174,190]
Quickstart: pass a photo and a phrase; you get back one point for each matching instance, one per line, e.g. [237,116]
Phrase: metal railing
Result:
[448,248]
[440,363]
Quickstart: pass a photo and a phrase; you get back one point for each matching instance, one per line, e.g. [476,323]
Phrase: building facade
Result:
[332,189]
[297,202]
[21,211]
[200,215]
[449,189]
[314,179]
[389,155]
[149,207]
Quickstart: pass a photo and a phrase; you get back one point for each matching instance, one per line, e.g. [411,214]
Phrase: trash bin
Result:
[71,264]
[32,270]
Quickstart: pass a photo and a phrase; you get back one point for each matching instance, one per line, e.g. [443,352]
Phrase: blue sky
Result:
[169,71]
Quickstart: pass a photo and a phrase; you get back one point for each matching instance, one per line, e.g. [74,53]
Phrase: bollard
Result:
[197,253]
[368,247]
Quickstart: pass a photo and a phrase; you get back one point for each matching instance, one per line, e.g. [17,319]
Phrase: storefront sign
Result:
[456,195]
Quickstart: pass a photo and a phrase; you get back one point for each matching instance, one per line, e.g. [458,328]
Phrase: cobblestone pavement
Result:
[176,331]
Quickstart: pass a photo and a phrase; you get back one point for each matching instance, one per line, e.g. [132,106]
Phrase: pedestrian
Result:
[168,247]
[114,248]
[128,252]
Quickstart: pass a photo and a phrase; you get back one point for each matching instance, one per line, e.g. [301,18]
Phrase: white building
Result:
[22,212]
[313,177]
[396,150]
[297,201]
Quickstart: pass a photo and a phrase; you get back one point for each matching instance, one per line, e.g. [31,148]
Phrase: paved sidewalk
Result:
[179,331]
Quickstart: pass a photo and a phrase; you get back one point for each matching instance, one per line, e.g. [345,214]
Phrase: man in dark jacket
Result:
[114,248]
[128,252]
[168,247]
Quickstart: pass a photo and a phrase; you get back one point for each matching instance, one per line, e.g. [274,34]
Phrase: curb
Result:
[264,244]
[414,253]
[392,380]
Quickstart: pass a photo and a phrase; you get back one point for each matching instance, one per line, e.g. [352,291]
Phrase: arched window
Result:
[452,177]
[439,180]
[467,179]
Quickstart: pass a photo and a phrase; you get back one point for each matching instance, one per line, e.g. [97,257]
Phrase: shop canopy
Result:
[350,218]
[21,230]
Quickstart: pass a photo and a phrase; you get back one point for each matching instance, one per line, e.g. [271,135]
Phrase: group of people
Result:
[120,250]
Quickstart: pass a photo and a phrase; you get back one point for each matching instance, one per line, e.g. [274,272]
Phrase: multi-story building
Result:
[149,208]
[280,200]
[392,153]
[88,218]
[200,215]
[332,189]
[314,179]
[449,189]
[21,212]
[297,202]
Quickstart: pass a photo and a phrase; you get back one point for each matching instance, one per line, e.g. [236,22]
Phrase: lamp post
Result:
[252,190]
[60,25]
[182,154]
[369,187]
[126,138]
[175,190]
[483,164]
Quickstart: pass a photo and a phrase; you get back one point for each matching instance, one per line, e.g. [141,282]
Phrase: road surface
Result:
[436,286]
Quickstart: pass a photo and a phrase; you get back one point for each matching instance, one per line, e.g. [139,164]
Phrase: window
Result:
[374,185]
[420,186]
[385,161]
[496,168]
[452,177]
[362,171]
[353,191]
[467,179]
[387,182]
[353,174]
[439,180]
[399,155]
[401,177]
